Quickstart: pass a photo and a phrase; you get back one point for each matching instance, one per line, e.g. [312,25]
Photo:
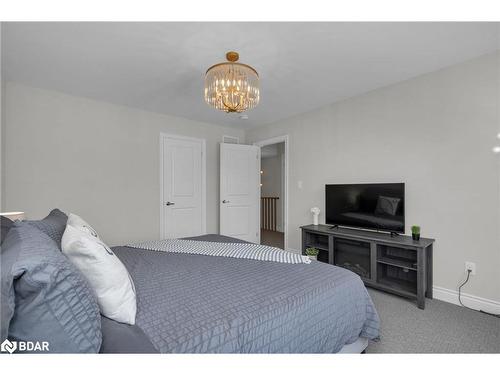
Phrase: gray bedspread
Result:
[202,304]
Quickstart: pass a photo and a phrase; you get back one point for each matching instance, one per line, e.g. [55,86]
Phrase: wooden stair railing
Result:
[268,213]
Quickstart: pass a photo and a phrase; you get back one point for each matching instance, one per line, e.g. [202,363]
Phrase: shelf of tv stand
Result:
[359,234]
[401,263]
[400,285]
[397,264]
[403,290]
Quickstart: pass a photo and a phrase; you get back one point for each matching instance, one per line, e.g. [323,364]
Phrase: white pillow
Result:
[78,223]
[106,274]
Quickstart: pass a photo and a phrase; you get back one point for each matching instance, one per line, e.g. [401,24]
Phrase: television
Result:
[368,206]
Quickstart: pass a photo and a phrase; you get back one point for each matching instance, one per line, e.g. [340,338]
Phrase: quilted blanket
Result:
[191,303]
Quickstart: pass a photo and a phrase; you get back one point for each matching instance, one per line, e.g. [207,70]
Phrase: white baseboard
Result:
[474,302]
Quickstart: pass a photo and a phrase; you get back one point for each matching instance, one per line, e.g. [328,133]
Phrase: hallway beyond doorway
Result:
[272,238]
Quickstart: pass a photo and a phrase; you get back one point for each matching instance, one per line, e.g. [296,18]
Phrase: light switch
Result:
[299,184]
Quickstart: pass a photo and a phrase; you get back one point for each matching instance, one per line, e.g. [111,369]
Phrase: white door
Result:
[183,187]
[240,191]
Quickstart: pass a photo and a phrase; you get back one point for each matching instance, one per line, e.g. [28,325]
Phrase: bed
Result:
[202,304]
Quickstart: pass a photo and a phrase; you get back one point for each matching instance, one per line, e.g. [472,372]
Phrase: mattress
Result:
[200,304]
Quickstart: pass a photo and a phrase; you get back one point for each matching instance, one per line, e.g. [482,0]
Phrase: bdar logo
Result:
[8,346]
[24,346]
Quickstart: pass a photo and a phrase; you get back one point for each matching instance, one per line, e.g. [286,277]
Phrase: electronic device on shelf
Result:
[367,206]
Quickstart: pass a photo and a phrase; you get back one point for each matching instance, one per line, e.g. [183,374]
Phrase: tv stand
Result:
[395,264]
[394,234]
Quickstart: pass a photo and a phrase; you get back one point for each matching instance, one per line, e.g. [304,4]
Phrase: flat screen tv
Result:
[368,206]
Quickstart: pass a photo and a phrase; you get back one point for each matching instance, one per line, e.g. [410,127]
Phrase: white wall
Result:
[433,132]
[95,159]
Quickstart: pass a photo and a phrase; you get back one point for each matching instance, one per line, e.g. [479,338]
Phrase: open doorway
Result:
[273,202]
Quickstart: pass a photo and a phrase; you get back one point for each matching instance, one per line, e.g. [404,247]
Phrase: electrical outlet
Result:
[470,266]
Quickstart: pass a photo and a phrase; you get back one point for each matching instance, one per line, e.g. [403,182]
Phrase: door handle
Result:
[225,201]
[169,203]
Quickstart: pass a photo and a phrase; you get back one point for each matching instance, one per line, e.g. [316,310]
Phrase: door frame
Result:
[203,142]
[271,141]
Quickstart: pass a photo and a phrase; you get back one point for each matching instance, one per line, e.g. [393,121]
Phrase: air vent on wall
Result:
[230,139]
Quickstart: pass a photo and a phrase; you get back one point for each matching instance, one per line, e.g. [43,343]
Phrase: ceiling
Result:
[160,67]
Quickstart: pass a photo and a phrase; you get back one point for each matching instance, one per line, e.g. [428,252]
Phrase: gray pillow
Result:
[387,206]
[6,224]
[53,225]
[44,297]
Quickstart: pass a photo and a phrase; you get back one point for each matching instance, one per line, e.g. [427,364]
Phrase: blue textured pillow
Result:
[44,297]
[6,224]
[53,225]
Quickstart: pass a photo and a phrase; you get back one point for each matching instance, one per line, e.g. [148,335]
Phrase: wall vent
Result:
[230,139]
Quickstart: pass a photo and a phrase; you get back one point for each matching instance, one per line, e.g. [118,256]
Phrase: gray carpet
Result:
[272,238]
[440,328]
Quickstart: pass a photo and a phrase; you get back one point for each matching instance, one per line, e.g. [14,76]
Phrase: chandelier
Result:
[231,86]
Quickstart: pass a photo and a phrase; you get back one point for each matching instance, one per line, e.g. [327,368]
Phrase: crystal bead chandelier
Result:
[231,86]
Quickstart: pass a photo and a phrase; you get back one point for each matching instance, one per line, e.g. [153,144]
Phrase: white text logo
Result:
[24,346]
